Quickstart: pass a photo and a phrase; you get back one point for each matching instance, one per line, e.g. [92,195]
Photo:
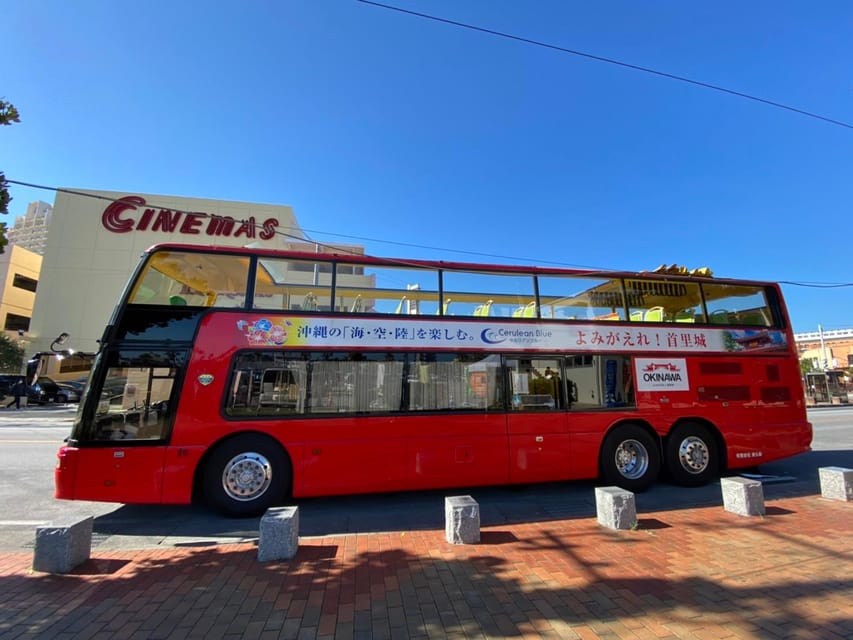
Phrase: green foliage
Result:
[8,115]
[806,365]
[11,355]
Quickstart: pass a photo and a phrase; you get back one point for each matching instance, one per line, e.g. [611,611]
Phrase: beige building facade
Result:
[95,240]
[830,349]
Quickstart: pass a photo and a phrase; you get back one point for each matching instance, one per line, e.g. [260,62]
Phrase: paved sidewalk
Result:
[697,573]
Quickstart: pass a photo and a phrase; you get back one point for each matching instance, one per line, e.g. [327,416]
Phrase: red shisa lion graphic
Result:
[263,331]
[666,366]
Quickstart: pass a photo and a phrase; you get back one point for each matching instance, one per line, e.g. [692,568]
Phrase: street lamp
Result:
[60,340]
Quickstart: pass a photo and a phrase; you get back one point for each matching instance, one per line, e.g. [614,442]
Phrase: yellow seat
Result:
[655,314]
[309,303]
[356,304]
[529,310]
[685,316]
[400,305]
[443,309]
[720,316]
[636,316]
[483,309]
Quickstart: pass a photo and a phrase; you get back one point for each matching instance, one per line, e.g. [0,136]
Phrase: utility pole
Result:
[824,361]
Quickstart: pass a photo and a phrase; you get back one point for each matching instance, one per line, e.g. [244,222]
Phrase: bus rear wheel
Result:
[247,475]
[630,458]
[692,458]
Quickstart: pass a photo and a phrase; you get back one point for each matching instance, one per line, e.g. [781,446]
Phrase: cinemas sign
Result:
[131,213]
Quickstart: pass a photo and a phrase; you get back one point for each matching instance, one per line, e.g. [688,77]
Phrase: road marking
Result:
[20,523]
[31,441]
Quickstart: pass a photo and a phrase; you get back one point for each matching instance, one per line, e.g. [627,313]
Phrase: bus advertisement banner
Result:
[394,333]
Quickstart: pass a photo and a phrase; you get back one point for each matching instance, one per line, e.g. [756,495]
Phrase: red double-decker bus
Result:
[250,376]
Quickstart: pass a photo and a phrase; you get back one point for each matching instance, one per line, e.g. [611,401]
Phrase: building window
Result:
[17,323]
[23,282]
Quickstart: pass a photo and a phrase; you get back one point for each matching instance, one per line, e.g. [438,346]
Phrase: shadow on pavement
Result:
[424,510]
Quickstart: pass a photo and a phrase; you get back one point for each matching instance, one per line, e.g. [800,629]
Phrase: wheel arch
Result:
[635,422]
[198,472]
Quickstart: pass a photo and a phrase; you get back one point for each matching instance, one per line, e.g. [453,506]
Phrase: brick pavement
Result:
[698,573]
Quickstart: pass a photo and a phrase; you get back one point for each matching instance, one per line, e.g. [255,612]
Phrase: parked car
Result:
[68,392]
[44,390]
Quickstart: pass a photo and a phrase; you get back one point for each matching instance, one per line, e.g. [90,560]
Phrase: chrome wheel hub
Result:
[693,454]
[632,459]
[246,476]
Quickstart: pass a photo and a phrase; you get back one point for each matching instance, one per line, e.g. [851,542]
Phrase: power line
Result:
[592,270]
[627,65]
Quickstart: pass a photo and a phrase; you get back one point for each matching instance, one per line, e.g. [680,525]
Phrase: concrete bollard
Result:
[836,483]
[743,496]
[278,534]
[62,547]
[461,520]
[615,508]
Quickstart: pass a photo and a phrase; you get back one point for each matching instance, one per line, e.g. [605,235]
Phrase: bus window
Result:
[356,382]
[456,381]
[652,300]
[135,401]
[599,381]
[489,294]
[536,384]
[300,285]
[581,298]
[186,278]
[386,289]
[737,304]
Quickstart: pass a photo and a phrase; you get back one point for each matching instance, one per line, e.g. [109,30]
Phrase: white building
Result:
[94,241]
[30,230]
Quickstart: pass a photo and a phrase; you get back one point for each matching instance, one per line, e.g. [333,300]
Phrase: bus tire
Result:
[692,456]
[630,458]
[247,475]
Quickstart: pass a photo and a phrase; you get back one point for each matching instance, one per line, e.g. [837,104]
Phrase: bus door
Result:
[537,423]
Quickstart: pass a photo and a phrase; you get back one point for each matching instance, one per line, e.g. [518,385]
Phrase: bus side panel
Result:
[111,474]
[179,467]
[585,452]
[539,447]
[457,450]
[348,455]
[750,446]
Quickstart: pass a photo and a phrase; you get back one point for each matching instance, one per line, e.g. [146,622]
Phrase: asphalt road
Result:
[30,439]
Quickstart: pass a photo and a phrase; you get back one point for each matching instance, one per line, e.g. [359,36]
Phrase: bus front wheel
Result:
[247,475]
[692,458]
[630,458]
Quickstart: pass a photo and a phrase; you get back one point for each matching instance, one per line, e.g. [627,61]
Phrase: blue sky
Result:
[375,124]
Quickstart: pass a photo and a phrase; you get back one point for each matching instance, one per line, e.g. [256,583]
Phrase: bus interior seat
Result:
[484,309]
[655,314]
[719,316]
[637,316]
[309,303]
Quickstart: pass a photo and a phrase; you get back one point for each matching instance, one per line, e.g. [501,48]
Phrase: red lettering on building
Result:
[123,216]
